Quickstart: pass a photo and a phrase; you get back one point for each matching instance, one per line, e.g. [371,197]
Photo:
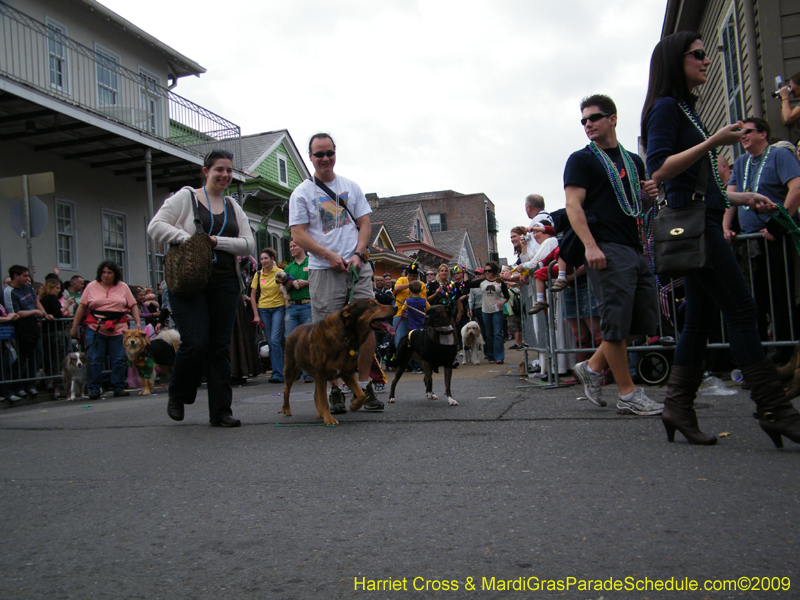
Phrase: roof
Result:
[450,241]
[181,65]
[254,145]
[398,220]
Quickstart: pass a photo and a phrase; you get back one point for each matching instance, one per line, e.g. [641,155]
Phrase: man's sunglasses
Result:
[327,153]
[749,131]
[594,118]
[216,152]
[698,54]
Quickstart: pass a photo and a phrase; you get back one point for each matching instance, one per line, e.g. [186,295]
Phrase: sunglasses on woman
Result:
[698,54]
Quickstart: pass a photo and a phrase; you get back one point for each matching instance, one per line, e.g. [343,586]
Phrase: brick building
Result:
[448,210]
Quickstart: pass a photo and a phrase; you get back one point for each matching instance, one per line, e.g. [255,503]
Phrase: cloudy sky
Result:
[468,95]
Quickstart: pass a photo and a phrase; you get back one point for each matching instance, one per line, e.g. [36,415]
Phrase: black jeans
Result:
[205,323]
[723,286]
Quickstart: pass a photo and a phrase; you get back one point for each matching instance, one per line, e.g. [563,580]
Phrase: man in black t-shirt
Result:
[605,190]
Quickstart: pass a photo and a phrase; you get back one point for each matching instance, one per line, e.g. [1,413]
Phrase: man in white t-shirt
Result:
[329,218]
[534,208]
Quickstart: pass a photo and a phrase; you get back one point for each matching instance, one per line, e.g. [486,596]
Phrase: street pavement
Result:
[515,486]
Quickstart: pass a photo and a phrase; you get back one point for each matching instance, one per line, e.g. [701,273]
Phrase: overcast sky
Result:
[473,96]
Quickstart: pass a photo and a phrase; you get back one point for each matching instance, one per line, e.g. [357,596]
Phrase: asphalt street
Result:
[517,486]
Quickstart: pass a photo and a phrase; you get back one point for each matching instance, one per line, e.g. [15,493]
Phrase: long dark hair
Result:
[667,77]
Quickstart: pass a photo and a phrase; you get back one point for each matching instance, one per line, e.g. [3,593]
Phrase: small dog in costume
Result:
[146,355]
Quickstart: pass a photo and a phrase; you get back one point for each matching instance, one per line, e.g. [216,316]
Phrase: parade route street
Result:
[111,499]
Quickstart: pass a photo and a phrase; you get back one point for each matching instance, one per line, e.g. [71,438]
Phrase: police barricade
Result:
[32,351]
[772,271]
[32,354]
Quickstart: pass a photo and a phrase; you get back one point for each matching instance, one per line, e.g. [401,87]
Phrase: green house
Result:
[274,168]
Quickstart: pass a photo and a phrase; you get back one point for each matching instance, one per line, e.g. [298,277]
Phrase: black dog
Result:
[435,345]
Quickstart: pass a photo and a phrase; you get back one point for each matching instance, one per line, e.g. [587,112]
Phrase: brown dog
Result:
[329,350]
[146,355]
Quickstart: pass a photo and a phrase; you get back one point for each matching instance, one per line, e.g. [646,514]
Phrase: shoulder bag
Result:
[187,266]
[679,234]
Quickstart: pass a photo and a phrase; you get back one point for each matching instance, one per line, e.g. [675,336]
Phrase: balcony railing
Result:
[42,57]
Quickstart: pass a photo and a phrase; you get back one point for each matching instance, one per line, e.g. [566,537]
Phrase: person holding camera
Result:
[788,114]
[494,295]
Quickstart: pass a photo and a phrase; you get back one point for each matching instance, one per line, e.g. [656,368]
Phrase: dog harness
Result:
[429,350]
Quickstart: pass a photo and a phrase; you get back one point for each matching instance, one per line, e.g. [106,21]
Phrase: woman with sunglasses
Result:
[205,320]
[677,145]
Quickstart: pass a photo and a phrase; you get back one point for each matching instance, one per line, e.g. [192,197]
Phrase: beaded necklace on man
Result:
[633,207]
[711,153]
[757,174]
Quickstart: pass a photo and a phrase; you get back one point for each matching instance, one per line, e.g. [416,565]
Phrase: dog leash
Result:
[422,312]
[353,282]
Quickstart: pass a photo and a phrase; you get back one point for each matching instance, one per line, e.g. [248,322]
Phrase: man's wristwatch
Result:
[364,256]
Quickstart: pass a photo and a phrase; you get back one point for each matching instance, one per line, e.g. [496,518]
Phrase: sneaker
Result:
[31,391]
[538,307]
[120,393]
[308,379]
[12,398]
[336,399]
[515,347]
[379,388]
[591,383]
[94,395]
[559,285]
[417,372]
[639,404]
[21,393]
[371,403]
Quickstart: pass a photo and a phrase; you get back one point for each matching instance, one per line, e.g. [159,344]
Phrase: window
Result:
[437,222]
[114,238]
[150,102]
[283,170]
[161,250]
[417,229]
[65,235]
[57,52]
[107,79]
[733,80]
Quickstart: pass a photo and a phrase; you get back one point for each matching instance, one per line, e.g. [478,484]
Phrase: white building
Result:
[89,96]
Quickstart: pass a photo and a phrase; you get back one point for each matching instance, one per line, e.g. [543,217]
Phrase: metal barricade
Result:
[25,360]
[772,271]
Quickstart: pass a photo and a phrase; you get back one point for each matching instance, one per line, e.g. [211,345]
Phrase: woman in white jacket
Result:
[205,320]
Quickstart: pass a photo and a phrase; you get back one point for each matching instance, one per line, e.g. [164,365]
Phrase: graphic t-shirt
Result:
[329,222]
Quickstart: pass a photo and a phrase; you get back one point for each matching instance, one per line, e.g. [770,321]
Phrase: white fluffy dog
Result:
[473,342]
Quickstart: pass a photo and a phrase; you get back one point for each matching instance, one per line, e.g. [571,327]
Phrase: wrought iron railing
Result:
[42,57]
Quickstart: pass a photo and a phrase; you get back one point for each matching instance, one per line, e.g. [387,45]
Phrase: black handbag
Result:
[679,234]
[188,266]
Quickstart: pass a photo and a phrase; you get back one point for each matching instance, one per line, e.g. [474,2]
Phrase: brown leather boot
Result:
[775,412]
[679,406]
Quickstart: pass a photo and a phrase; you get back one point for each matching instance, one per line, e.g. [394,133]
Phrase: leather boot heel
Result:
[678,410]
[775,412]
[670,430]
[684,420]
[782,422]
